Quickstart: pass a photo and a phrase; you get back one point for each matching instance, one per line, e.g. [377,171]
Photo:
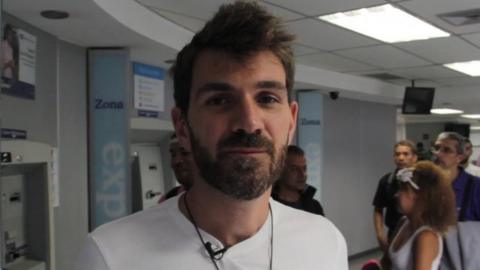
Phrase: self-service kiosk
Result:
[26,213]
[147,175]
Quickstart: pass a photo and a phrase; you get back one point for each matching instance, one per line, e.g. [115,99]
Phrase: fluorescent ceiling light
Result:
[474,127]
[471,68]
[386,23]
[445,111]
[471,116]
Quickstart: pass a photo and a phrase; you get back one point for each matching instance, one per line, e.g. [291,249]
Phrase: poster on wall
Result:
[310,135]
[149,89]
[18,62]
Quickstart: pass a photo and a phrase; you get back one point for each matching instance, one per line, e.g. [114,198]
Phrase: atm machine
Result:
[147,176]
[26,212]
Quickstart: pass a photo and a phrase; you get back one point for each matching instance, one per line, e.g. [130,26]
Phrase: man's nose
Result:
[248,117]
[176,161]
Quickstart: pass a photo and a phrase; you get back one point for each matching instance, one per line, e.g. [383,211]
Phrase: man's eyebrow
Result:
[214,87]
[225,87]
[274,85]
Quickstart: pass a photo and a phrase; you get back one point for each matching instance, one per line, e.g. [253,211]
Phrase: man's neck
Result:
[288,195]
[452,174]
[227,219]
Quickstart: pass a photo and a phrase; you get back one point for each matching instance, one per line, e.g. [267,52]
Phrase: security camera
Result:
[334,95]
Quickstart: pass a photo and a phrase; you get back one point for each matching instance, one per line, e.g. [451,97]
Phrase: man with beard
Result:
[233,112]
[449,152]
[291,188]
[182,165]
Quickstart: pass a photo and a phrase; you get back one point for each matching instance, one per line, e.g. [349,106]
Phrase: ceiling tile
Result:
[317,34]
[474,38]
[283,13]
[384,56]
[191,23]
[460,81]
[427,73]
[201,10]
[332,62]
[429,10]
[204,10]
[315,7]
[442,50]
[299,50]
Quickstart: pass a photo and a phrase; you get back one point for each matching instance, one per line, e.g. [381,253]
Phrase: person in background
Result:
[404,156]
[291,188]
[9,62]
[233,111]
[449,152]
[469,167]
[426,199]
[183,165]
[422,153]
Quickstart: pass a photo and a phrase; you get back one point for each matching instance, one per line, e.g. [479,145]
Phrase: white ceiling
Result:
[320,45]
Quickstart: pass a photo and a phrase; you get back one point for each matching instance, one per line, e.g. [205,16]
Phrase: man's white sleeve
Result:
[91,257]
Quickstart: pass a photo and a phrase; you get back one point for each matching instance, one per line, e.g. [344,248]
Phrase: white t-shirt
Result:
[162,238]
[473,170]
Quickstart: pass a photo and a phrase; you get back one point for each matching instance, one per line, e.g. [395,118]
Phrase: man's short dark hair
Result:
[295,150]
[408,144]
[241,30]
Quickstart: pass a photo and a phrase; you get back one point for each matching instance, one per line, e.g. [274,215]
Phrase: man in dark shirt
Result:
[404,155]
[291,188]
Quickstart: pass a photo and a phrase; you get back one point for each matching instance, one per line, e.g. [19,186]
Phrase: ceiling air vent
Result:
[464,17]
[384,76]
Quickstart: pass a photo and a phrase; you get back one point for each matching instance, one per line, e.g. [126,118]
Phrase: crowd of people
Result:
[423,201]
[234,123]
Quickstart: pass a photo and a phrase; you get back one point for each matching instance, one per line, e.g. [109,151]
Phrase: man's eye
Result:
[268,99]
[216,101]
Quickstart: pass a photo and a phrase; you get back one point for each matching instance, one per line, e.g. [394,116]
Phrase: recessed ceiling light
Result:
[471,68]
[445,111]
[54,14]
[386,23]
[471,116]
[474,127]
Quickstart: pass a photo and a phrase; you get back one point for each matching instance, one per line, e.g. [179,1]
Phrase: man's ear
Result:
[180,124]
[460,158]
[293,121]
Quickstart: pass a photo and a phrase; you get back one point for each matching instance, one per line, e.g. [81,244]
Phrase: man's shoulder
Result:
[296,229]
[385,178]
[135,224]
[292,218]
[473,170]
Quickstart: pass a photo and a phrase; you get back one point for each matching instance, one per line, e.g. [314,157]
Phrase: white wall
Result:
[358,141]
[71,217]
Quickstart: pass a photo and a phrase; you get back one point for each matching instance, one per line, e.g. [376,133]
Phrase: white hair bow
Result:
[405,175]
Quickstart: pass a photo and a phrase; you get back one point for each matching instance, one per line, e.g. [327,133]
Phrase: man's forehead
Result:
[403,148]
[447,142]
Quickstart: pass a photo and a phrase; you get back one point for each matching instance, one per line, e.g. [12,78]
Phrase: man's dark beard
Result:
[240,177]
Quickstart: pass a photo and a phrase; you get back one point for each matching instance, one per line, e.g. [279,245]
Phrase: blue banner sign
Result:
[110,193]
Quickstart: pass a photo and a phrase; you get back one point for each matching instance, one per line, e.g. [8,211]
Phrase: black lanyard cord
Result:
[208,245]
